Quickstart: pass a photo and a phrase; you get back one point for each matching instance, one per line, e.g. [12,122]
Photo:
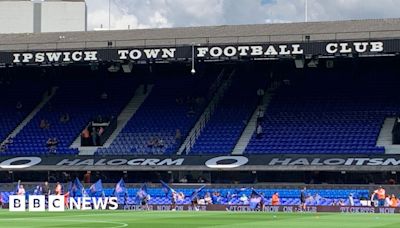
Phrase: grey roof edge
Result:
[327,30]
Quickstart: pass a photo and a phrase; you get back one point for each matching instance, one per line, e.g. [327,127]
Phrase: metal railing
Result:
[205,117]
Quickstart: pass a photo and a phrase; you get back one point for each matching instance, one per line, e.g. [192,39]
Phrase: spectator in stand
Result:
[94,135]
[183,180]
[85,137]
[260,115]
[101,131]
[160,143]
[85,133]
[64,118]
[275,199]
[391,181]
[18,106]
[200,180]
[394,202]
[104,96]
[44,124]
[191,112]
[52,145]
[260,94]
[3,147]
[151,143]
[99,119]
[86,177]
[259,131]
[178,136]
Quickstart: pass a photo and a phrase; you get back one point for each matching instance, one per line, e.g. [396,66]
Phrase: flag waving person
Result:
[256,200]
[76,187]
[167,189]
[143,197]
[195,197]
[120,189]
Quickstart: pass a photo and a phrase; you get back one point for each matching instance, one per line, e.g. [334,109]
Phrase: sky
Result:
[136,14]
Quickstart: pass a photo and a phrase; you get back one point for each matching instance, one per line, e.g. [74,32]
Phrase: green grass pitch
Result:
[175,219]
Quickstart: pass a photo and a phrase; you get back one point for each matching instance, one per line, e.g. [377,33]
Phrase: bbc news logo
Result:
[57,203]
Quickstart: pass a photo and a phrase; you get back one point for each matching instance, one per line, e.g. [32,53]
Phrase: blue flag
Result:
[144,188]
[166,189]
[96,187]
[17,187]
[196,192]
[70,189]
[76,187]
[254,193]
[37,190]
[120,187]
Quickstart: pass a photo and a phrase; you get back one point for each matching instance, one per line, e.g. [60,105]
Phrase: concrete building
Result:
[26,16]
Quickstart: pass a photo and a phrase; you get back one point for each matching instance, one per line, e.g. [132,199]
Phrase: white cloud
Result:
[177,13]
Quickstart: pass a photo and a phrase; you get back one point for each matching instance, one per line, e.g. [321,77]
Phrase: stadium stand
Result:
[176,102]
[326,111]
[18,98]
[334,112]
[231,115]
[80,98]
[12,95]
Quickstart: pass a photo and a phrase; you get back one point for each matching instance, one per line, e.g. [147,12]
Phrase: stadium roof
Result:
[296,32]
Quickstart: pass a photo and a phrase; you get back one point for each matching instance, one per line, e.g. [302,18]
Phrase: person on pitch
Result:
[174,198]
[303,198]
[275,199]
[58,189]
[380,193]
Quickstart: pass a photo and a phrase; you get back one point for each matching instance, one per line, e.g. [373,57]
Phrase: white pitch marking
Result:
[119,224]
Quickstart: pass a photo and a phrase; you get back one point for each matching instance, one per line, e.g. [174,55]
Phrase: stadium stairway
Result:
[123,118]
[167,109]
[46,99]
[232,114]
[252,125]
[205,117]
[385,137]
